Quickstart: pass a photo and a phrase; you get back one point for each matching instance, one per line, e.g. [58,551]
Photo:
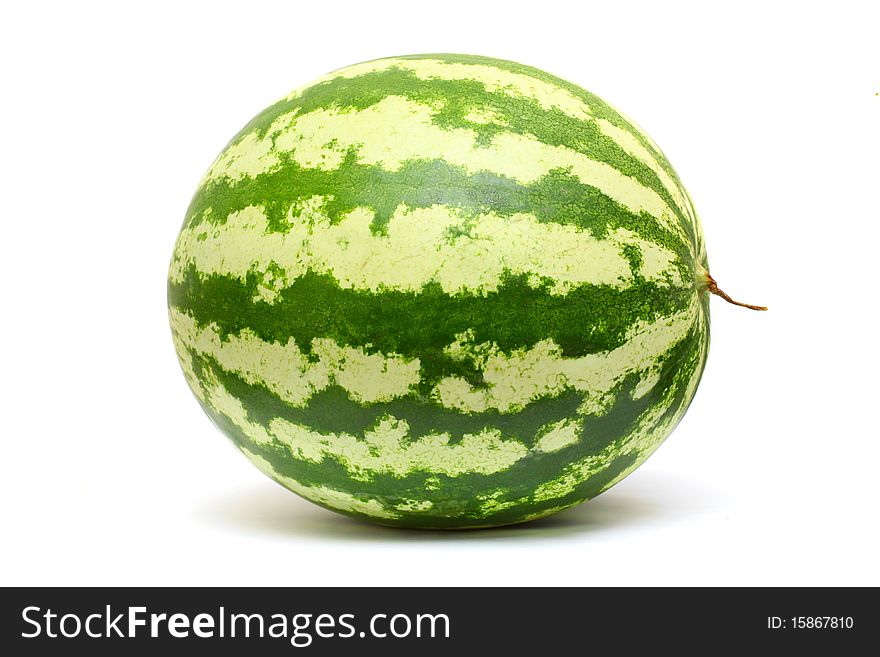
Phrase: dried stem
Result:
[713,288]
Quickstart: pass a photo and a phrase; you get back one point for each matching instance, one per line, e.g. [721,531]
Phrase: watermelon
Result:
[442,291]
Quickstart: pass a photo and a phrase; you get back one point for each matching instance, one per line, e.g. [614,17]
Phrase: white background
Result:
[111,474]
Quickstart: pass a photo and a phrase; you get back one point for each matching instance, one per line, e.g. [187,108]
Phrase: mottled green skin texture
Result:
[589,319]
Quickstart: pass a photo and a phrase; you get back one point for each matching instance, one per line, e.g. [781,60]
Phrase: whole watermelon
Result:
[442,291]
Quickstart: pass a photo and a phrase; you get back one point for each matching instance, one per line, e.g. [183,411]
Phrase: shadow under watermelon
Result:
[646,499]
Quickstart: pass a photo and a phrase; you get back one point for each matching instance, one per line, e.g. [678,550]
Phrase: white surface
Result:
[111,474]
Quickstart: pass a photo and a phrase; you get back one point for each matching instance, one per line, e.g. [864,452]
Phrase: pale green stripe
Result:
[386,448]
[513,380]
[436,244]
[291,374]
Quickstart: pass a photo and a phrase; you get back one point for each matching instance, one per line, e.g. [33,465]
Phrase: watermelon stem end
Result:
[712,286]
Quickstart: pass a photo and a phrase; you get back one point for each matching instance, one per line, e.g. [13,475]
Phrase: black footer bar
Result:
[429,621]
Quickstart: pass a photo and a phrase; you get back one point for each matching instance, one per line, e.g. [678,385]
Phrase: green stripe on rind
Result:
[536,472]
[589,319]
